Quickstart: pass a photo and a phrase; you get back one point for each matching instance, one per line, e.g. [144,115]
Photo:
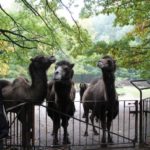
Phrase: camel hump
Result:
[20,81]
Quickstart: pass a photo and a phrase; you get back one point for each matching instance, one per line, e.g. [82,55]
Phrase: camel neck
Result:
[39,84]
[63,88]
[109,81]
[38,78]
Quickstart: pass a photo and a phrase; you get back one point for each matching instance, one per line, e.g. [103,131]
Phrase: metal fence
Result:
[146,121]
[126,130]
[144,111]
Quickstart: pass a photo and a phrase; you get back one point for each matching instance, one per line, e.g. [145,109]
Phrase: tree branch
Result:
[37,14]
[3,31]
[14,42]
[72,19]
[47,3]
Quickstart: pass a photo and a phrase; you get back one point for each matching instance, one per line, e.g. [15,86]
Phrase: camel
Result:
[100,97]
[83,86]
[61,95]
[21,90]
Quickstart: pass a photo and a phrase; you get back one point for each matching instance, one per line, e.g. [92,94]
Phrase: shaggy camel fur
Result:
[61,95]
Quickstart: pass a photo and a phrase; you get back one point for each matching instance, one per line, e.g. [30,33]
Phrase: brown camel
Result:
[21,90]
[101,98]
[61,95]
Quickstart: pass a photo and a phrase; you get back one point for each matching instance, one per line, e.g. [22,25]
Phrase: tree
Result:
[36,28]
[133,50]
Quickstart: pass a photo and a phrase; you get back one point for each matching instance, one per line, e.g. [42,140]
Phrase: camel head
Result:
[41,63]
[63,71]
[107,63]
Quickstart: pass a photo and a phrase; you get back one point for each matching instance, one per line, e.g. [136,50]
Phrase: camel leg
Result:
[92,120]
[56,126]
[53,129]
[109,121]
[65,125]
[84,111]
[103,123]
[86,114]
[24,115]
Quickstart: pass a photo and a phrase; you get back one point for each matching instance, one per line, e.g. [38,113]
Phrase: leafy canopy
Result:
[37,28]
[133,50]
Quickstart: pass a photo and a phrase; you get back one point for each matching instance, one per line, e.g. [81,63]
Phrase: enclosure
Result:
[130,128]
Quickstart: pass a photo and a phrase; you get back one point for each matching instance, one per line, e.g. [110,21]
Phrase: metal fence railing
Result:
[144,111]
[31,127]
[124,129]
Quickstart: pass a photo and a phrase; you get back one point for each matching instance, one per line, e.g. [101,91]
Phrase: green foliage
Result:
[35,29]
[133,50]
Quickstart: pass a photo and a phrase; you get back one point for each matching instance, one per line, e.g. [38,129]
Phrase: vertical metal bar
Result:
[92,132]
[73,131]
[33,124]
[129,123]
[112,127]
[118,120]
[80,123]
[46,126]
[145,121]
[99,132]
[39,127]
[10,129]
[17,128]
[136,121]
[59,130]
[141,119]
[20,134]
[13,129]
[124,121]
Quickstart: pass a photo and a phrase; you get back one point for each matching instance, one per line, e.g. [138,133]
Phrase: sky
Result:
[10,5]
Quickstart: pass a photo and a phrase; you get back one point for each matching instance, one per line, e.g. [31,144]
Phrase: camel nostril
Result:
[56,72]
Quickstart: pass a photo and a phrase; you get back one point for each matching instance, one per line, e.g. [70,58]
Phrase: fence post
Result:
[28,126]
[141,123]
[136,121]
[141,119]
[33,124]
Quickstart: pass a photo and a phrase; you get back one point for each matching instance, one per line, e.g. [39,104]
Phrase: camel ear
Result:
[71,65]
